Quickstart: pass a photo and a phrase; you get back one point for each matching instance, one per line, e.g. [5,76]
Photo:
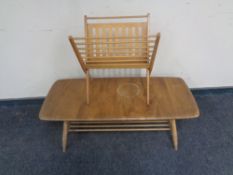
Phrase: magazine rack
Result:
[116,42]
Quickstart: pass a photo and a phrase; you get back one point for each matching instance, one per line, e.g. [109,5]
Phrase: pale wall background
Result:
[197,40]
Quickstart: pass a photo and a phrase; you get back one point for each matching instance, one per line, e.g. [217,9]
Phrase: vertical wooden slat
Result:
[100,31]
[115,46]
[119,34]
[144,35]
[130,35]
[136,45]
[90,40]
[147,33]
[110,46]
[86,34]
[104,41]
[97,35]
[123,33]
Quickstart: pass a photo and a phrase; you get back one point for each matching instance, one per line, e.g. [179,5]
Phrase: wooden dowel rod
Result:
[88,86]
[112,58]
[119,129]
[119,52]
[119,48]
[117,37]
[145,56]
[120,122]
[148,87]
[123,42]
[117,61]
[118,66]
[118,17]
[133,57]
[120,126]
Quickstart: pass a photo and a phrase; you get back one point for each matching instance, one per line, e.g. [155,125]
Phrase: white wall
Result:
[196,43]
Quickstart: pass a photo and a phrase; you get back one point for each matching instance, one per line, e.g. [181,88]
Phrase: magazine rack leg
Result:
[174,134]
[148,86]
[88,86]
[64,135]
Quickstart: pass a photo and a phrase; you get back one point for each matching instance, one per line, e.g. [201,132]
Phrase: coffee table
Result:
[119,104]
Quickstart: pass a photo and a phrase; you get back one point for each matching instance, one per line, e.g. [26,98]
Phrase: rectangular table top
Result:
[119,99]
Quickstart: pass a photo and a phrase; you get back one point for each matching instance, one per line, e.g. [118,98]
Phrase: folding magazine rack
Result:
[116,42]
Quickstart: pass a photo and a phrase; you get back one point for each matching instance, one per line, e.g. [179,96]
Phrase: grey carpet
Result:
[30,146]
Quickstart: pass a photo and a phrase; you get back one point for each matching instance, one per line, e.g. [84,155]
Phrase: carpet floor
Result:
[30,146]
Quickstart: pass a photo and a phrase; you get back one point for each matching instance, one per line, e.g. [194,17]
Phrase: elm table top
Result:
[119,99]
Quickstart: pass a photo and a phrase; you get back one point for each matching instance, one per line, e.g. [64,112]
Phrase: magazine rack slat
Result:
[116,42]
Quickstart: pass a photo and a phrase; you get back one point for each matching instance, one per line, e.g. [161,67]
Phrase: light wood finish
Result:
[119,99]
[174,134]
[148,86]
[65,135]
[117,129]
[119,17]
[120,105]
[125,122]
[78,54]
[116,42]
[119,126]
[88,86]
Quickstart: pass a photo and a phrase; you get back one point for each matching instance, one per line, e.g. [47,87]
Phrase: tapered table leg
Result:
[174,134]
[65,135]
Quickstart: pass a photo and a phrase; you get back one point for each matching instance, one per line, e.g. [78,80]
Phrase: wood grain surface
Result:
[119,99]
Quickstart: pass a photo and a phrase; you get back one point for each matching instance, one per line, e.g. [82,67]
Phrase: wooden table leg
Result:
[64,135]
[174,134]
